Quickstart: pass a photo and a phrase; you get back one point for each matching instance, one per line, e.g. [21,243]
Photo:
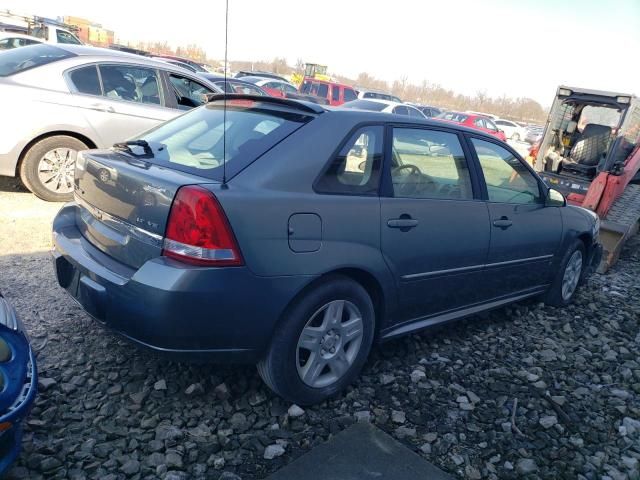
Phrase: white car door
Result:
[118,100]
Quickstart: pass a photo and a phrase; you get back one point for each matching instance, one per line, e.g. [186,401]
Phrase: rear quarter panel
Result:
[260,201]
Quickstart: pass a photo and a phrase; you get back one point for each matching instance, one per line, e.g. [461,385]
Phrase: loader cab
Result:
[588,132]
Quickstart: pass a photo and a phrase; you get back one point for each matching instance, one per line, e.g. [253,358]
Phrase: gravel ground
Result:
[526,390]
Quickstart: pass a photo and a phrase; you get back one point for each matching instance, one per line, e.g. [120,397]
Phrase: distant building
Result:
[91,32]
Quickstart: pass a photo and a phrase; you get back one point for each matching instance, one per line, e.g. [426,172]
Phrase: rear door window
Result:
[66,37]
[356,168]
[130,83]
[85,80]
[198,142]
[414,112]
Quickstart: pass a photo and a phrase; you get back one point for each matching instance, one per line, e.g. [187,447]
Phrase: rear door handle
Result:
[101,107]
[502,223]
[402,223]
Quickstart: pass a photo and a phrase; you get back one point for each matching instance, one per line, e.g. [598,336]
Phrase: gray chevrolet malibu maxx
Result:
[295,236]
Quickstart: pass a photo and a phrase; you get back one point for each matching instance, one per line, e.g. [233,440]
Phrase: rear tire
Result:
[47,167]
[322,343]
[569,276]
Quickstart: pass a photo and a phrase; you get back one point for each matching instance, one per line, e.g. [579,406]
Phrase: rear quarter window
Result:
[24,58]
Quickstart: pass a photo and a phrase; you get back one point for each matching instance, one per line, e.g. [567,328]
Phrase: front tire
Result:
[322,342]
[48,166]
[569,275]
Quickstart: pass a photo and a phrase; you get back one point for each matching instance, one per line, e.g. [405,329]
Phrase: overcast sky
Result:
[523,48]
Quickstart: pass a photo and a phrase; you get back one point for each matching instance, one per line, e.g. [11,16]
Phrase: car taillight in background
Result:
[198,231]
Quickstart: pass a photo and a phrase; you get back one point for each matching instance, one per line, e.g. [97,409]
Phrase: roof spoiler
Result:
[308,107]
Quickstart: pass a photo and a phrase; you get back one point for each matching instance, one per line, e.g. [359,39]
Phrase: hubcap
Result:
[55,169]
[329,343]
[571,275]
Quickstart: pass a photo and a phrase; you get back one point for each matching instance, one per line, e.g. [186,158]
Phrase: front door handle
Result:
[503,223]
[403,224]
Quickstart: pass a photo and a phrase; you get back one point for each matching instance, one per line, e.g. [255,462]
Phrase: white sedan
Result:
[511,129]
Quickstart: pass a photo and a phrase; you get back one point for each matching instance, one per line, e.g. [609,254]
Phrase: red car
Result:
[474,121]
[335,93]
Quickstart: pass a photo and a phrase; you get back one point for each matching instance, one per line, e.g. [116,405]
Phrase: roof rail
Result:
[309,107]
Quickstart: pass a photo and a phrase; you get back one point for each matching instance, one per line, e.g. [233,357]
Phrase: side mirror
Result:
[555,199]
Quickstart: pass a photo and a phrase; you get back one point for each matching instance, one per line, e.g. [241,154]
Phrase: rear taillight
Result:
[198,231]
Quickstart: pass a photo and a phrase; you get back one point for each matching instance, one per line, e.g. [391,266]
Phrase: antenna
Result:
[224,106]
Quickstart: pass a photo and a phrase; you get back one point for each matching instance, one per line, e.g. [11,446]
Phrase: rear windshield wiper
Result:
[126,146]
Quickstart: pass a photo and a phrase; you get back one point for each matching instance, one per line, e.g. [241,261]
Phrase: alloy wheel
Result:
[55,170]
[329,343]
[571,275]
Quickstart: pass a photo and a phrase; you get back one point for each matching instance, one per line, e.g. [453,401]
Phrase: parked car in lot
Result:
[479,122]
[18,383]
[257,73]
[428,111]
[324,231]
[197,67]
[385,106]
[333,92]
[234,85]
[9,40]
[275,88]
[63,99]
[511,129]
[367,94]
[534,134]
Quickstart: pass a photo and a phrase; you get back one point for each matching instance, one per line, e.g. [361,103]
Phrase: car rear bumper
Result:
[217,314]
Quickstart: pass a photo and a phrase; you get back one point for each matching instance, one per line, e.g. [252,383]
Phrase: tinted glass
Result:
[429,164]
[401,110]
[306,87]
[195,143]
[490,125]
[64,37]
[479,122]
[323,90]
[20,59]
[507,179]
[365,105]
[335,93]
[349,95]
[85,80]
[189,93]
[356,169]
[133,84]
[288,88]
[453,116]
[414,112]
[246,88]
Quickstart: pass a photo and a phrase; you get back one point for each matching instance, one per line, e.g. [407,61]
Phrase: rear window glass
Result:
[366,105]
[20,59]
[200,141]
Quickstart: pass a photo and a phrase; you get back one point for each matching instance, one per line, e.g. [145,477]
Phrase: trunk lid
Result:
[124,203]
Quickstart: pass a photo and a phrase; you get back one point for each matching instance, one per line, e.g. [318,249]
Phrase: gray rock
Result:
[130,467]
[526,466]
[45,383]
[418,376]
[548,355]
[273,451]
[426,449]
[398,416]
[404,432]
[548,421]
[364,416]
[387,379]
[472,473]
[194,389]
[173,459]
[457,459]
[430,437]
[222,391]
[160,385]
[295,411]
